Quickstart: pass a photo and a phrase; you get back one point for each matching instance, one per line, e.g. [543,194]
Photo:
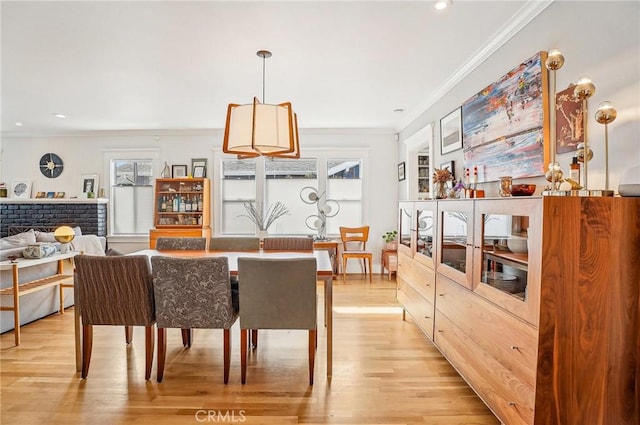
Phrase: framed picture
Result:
[21,189]
[401,171]
[41,194]
[89,183]
[450,165]
[569,131]
[178,171]
[198,171]
[199,162]
[504,126]
[51,194]
[451,132]
[59,195]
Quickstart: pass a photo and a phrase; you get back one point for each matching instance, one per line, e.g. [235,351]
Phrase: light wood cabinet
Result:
[550,333]
[182,209]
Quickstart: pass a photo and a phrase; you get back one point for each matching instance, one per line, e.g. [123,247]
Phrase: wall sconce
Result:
[606,114]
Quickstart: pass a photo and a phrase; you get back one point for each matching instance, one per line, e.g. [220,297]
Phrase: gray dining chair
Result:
[177,244]
[181,243]
[115,291]
[193,293]
[224,243]
[277,293]
[287,244]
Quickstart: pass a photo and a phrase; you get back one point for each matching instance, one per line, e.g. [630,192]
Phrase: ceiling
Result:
[177,65]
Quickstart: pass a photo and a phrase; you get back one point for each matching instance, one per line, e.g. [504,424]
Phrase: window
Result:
[238,185]
[276,179]
[131,196]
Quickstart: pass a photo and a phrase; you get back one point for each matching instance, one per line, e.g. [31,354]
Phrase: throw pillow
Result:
[19,240]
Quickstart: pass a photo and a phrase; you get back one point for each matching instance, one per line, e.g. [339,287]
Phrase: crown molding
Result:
[518,21]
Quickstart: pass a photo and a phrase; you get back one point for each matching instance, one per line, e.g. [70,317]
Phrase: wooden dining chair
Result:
[116,291]
[229,243]
[193,293]
[277,293]
[287,244]
[358,236]
[169,244]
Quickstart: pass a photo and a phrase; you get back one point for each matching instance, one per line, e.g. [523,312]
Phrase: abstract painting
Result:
[504,125]
[569,131]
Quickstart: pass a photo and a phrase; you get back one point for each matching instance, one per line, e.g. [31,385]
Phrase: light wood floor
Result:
[384,372]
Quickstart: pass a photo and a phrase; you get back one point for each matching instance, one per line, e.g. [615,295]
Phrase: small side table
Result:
[389,261]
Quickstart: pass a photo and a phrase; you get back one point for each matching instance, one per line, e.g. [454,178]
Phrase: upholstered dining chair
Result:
[223,243]
[287,244]
[358,236]
[193,293]
[115,290]
[277,293]
[168,244]
[177,244]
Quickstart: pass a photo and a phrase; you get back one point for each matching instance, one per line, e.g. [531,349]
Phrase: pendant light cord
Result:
[264,61]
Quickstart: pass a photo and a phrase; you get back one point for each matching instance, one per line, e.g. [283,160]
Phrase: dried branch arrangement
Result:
[261,217]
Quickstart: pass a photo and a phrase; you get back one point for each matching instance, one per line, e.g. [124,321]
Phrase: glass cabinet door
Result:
[425,216]
[455,236]
[405,222]
[505,240]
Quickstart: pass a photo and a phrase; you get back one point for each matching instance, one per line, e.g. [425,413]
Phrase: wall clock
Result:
[51,165]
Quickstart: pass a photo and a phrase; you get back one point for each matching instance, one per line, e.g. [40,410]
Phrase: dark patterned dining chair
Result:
[168,244]
[277,293]
[177,244]
[193,293]
[288,244]
[222,243]
[115,291]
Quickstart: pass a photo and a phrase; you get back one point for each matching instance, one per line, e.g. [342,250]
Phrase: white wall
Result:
[600,39]
[88,153]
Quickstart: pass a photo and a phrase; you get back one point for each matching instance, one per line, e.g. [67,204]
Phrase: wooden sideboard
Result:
[545,336]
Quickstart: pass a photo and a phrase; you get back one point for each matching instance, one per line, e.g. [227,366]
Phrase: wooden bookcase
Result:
[182,209]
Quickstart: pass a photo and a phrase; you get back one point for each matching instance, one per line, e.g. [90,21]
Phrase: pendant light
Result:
[261,129]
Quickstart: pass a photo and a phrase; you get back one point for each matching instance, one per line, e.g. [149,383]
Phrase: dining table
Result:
[324,271]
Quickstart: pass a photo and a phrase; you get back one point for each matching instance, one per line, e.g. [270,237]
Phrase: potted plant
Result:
[263,218]
[391,240]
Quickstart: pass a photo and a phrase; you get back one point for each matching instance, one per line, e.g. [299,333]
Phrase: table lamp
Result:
[64,235]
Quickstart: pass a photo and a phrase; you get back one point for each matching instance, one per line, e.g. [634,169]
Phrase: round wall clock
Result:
[51,165]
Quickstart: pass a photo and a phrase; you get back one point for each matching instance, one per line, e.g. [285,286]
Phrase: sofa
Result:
[39,304]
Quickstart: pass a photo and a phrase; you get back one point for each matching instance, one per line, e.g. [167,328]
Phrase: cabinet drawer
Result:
[419,276]
[420,309]
[506,338]
[507,396]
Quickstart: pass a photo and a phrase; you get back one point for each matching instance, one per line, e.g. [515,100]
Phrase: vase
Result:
[440,190]
[263,234]
[166,171]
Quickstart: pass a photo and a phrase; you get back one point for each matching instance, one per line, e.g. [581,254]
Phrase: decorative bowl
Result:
[523,189]
[38,250]
[518,245]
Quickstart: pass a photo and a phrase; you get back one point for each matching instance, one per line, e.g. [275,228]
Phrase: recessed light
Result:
[60,115]
[398,110]
[19,124]
[442,4]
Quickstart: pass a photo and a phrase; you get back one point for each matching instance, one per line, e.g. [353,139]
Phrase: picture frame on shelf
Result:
[51,195]
[451,166]
[569,112]
[199,162]
[21,189]
[41,195]
[401,171]
[198,171]
[59,195]
[89,184]
[451,132]
[178,171]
